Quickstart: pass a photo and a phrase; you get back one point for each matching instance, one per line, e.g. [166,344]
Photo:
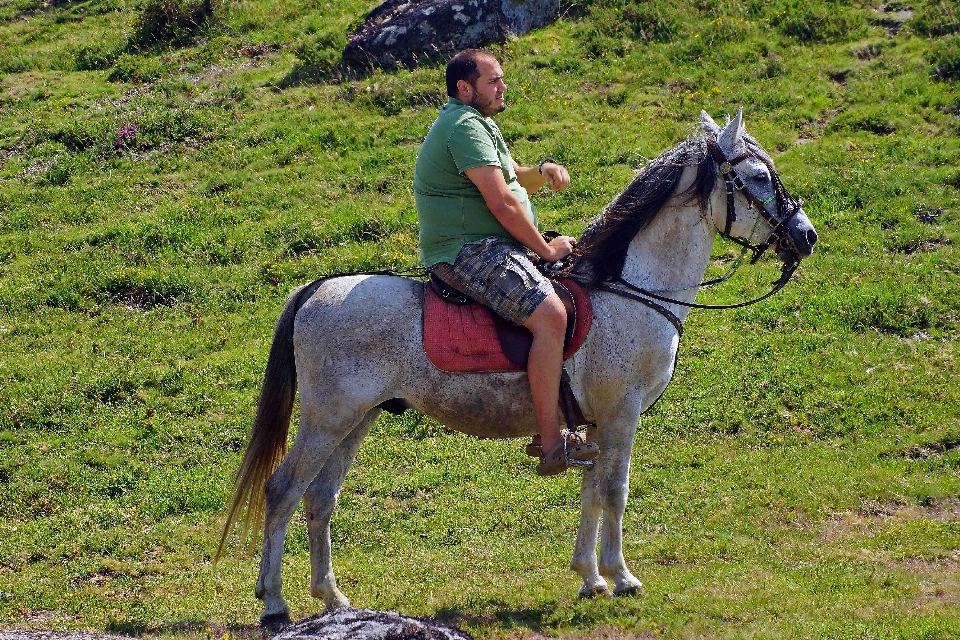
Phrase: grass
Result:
[158,200]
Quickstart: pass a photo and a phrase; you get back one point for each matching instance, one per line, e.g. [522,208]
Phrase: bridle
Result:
[787,207]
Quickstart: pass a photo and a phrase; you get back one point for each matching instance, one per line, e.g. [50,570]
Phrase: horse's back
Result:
[359,325]
[362,303]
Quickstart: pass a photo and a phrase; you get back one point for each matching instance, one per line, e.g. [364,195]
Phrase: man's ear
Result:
[464,90]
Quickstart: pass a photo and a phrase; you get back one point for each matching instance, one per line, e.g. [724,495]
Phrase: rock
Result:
[404,32]
[367,624]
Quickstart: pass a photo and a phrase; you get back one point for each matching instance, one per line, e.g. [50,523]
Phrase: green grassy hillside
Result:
[168,172]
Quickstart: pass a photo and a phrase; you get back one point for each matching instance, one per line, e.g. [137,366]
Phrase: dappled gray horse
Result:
[354,345]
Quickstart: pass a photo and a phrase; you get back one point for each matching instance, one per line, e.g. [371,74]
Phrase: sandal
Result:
[552,463]
[577,448]
[580,449]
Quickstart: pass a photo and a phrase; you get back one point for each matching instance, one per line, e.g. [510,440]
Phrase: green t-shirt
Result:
[450,208]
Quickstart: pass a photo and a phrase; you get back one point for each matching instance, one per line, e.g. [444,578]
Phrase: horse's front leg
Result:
[320,500]
[614,489]
[584,560]
[604,490]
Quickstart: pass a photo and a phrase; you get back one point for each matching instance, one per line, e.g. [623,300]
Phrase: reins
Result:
[785,275]
[732,183]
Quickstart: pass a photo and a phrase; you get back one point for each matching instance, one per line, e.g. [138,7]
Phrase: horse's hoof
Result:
[588,592]
[630,590]
[273,622]
[337,603]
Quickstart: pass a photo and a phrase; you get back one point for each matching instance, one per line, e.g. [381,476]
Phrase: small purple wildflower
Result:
[126,135]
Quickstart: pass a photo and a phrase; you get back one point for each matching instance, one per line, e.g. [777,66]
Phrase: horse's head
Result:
[759,212]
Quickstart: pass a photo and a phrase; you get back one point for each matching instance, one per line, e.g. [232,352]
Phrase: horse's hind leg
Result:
[320,500]
[283,492]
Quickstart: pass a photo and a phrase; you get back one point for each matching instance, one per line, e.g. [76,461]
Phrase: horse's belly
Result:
[483,405]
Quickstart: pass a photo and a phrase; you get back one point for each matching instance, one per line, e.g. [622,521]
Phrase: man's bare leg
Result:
[548,323]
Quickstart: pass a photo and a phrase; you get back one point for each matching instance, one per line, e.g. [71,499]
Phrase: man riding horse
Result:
[478,227]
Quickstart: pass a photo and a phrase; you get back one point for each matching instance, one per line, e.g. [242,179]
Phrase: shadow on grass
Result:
[342,71]
[195,628]
[543,620]
[306,75]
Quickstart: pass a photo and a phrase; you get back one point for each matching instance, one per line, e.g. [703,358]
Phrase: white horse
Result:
[354,345]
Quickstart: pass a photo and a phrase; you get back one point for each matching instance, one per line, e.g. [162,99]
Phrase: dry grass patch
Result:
[873,517]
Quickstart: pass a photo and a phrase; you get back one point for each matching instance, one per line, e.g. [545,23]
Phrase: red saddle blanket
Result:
[468,337]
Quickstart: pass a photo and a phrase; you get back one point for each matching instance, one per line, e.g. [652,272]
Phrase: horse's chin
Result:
[789,257]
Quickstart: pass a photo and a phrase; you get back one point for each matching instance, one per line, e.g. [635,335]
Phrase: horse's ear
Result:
[708,125]
[733,132]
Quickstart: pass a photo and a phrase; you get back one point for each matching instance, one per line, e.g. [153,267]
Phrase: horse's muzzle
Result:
[797,243]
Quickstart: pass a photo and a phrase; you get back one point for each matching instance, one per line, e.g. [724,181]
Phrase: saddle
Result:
[461,336]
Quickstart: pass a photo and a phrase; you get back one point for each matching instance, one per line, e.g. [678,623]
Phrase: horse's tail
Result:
[268,436]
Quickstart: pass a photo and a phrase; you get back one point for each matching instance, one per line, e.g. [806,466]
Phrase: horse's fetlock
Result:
[582,565]
[612,570]
[589,590]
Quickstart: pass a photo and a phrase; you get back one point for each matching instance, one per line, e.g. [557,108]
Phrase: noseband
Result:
[787,206]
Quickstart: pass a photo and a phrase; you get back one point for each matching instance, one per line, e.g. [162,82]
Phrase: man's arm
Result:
[531,179]
[509,211]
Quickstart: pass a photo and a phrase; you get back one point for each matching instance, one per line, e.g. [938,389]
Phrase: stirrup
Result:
[567,434]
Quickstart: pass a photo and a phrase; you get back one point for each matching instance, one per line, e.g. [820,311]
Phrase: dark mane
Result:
[602,249]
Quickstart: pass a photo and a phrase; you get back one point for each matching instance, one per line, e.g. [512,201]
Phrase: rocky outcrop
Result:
[402,33]
[368,624]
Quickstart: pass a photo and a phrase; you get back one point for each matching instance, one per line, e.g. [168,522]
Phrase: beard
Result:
[487,107]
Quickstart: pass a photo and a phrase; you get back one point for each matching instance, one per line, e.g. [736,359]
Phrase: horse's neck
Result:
[671,253]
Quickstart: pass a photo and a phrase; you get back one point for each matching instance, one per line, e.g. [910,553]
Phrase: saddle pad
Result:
[462,338]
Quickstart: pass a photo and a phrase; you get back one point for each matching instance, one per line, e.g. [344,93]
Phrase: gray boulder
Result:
[367,624]
[401,33]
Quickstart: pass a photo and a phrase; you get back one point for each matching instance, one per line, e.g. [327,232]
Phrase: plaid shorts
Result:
[498,273]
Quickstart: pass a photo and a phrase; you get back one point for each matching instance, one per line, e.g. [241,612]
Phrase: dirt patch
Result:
[891,20]
[927,450]
[19,634]
[814,129]
[873,516]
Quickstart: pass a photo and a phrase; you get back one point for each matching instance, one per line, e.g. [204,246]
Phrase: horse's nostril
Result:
[811,238]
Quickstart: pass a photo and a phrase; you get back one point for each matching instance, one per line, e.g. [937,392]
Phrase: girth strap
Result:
[572,413]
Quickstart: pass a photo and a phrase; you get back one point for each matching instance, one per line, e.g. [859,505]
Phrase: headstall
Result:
[726,168]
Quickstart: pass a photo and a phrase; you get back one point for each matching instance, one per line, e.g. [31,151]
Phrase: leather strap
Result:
[572,413]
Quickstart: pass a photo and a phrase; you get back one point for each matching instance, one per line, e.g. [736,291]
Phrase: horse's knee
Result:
[614,497]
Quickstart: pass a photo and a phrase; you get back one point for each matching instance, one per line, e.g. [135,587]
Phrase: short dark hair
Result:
[463,66]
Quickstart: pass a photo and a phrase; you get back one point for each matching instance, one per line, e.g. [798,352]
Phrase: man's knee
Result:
[549,318]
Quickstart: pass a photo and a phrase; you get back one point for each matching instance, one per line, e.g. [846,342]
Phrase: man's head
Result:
[474,77]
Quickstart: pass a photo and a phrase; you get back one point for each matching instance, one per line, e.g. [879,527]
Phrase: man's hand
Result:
[560,247]
[557,175]
[506,208]
[531,178]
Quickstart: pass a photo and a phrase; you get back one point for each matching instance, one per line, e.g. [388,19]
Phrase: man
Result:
[477,225]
